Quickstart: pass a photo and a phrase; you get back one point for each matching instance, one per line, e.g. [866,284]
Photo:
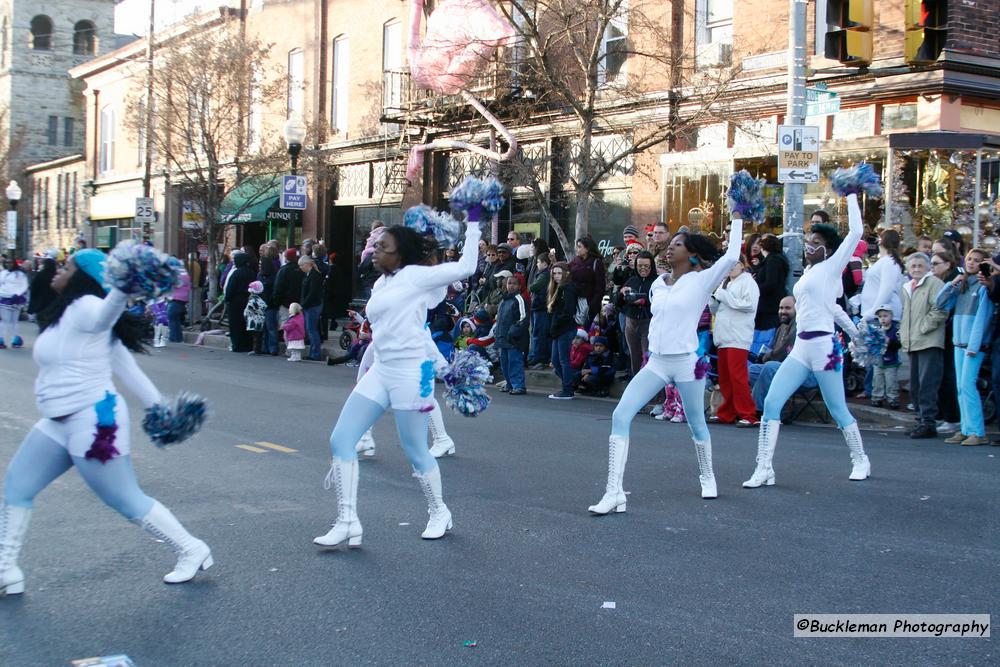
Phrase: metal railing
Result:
[400,95]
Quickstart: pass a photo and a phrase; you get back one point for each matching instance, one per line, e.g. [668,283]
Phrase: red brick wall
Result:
[974,27]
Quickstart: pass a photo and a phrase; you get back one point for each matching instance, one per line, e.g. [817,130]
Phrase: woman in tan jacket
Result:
[921,332]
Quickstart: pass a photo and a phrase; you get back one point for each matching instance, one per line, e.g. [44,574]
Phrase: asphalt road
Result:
[526,572]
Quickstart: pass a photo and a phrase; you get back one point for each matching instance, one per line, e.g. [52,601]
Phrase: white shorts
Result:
[816,353]
[76,432]
[673,368]
[400,386]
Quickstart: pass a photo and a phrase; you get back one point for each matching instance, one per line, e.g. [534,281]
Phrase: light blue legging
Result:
[790,377]
[40,460]
[360,413]
[644,386]
[970,408]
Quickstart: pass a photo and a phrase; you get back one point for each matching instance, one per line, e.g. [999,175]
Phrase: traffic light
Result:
[926,29]
[849,31]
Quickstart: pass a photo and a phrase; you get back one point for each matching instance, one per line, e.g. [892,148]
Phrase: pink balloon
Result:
[461,37]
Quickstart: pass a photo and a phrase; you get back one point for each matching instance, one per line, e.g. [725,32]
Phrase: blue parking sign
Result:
[293,192]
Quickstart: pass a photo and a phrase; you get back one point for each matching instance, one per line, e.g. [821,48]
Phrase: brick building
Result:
[933,130]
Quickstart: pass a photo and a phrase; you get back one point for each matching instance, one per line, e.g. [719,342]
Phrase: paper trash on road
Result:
[608,605]
[104,661]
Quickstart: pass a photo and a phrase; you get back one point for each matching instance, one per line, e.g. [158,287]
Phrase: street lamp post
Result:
[295,134]
[13,193]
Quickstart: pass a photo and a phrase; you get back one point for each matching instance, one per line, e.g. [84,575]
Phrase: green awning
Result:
[253,200]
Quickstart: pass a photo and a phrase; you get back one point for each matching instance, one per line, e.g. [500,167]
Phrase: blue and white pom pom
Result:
[856,180]
[465,380]
[168,424]
[746,196]
[423,219]
[141,270]
[472,192]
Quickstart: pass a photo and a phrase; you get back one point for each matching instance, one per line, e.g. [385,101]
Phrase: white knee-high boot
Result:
[13,526]
[192,553]
[706,475]
[614,493]
[861,467]
[366,445]
[767,440]
[343,476]
[441,442]
[439,521]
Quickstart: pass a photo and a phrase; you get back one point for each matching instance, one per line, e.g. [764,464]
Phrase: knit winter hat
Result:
[256,287]
[291,254]
[600,340]
[630,229]
[91,261]
[580,333]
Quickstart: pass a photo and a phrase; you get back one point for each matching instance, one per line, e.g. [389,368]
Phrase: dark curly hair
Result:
[134,331]
[412,247]
[831,239]
[700,246]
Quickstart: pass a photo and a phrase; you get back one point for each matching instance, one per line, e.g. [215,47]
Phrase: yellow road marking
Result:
[277,448]
[250,448]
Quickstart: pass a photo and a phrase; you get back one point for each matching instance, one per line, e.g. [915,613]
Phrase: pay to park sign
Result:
[798,154]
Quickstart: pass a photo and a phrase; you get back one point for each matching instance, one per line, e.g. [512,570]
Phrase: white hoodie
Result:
[735,306]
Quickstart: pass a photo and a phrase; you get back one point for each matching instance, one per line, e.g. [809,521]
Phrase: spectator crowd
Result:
[927,314]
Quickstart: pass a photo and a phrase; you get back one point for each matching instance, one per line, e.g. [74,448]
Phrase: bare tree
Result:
[615,78]
[210,87]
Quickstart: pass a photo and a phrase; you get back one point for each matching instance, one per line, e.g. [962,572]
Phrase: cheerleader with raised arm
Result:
[85,423]
[677,301]
[402,375]
[816,349]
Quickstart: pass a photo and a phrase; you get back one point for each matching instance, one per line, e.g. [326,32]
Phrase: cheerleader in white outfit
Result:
[82,343]
[816,349]
[441,442]
[401,376]
[13,296]
[677,301]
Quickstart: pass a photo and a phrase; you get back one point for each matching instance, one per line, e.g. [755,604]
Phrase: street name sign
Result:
[798,154]
[293,192]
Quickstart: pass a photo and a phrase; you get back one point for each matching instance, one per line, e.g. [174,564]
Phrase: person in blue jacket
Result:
[967,296]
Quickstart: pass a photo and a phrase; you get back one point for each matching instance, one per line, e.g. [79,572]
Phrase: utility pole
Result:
[795,115]
[148,148]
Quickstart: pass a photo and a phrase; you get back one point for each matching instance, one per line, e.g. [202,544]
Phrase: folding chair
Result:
[803,400]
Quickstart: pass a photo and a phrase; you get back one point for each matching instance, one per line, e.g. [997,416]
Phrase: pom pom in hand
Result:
[167,424]
[473,192]
[423,219]
[746,196]
[855,180]
[465,378]
[141,270]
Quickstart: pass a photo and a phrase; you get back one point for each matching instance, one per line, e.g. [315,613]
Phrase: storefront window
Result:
[939,189]
[694,195]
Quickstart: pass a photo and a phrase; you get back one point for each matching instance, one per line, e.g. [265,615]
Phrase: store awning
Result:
[254,200]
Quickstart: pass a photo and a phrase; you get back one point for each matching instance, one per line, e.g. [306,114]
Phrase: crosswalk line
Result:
[277,448]
[251,448]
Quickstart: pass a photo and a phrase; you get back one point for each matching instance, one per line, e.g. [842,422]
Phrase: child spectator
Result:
[579,350]
[885,379]
[511,335]
[255,314]
[599,372]
[465,331]
[295,332]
